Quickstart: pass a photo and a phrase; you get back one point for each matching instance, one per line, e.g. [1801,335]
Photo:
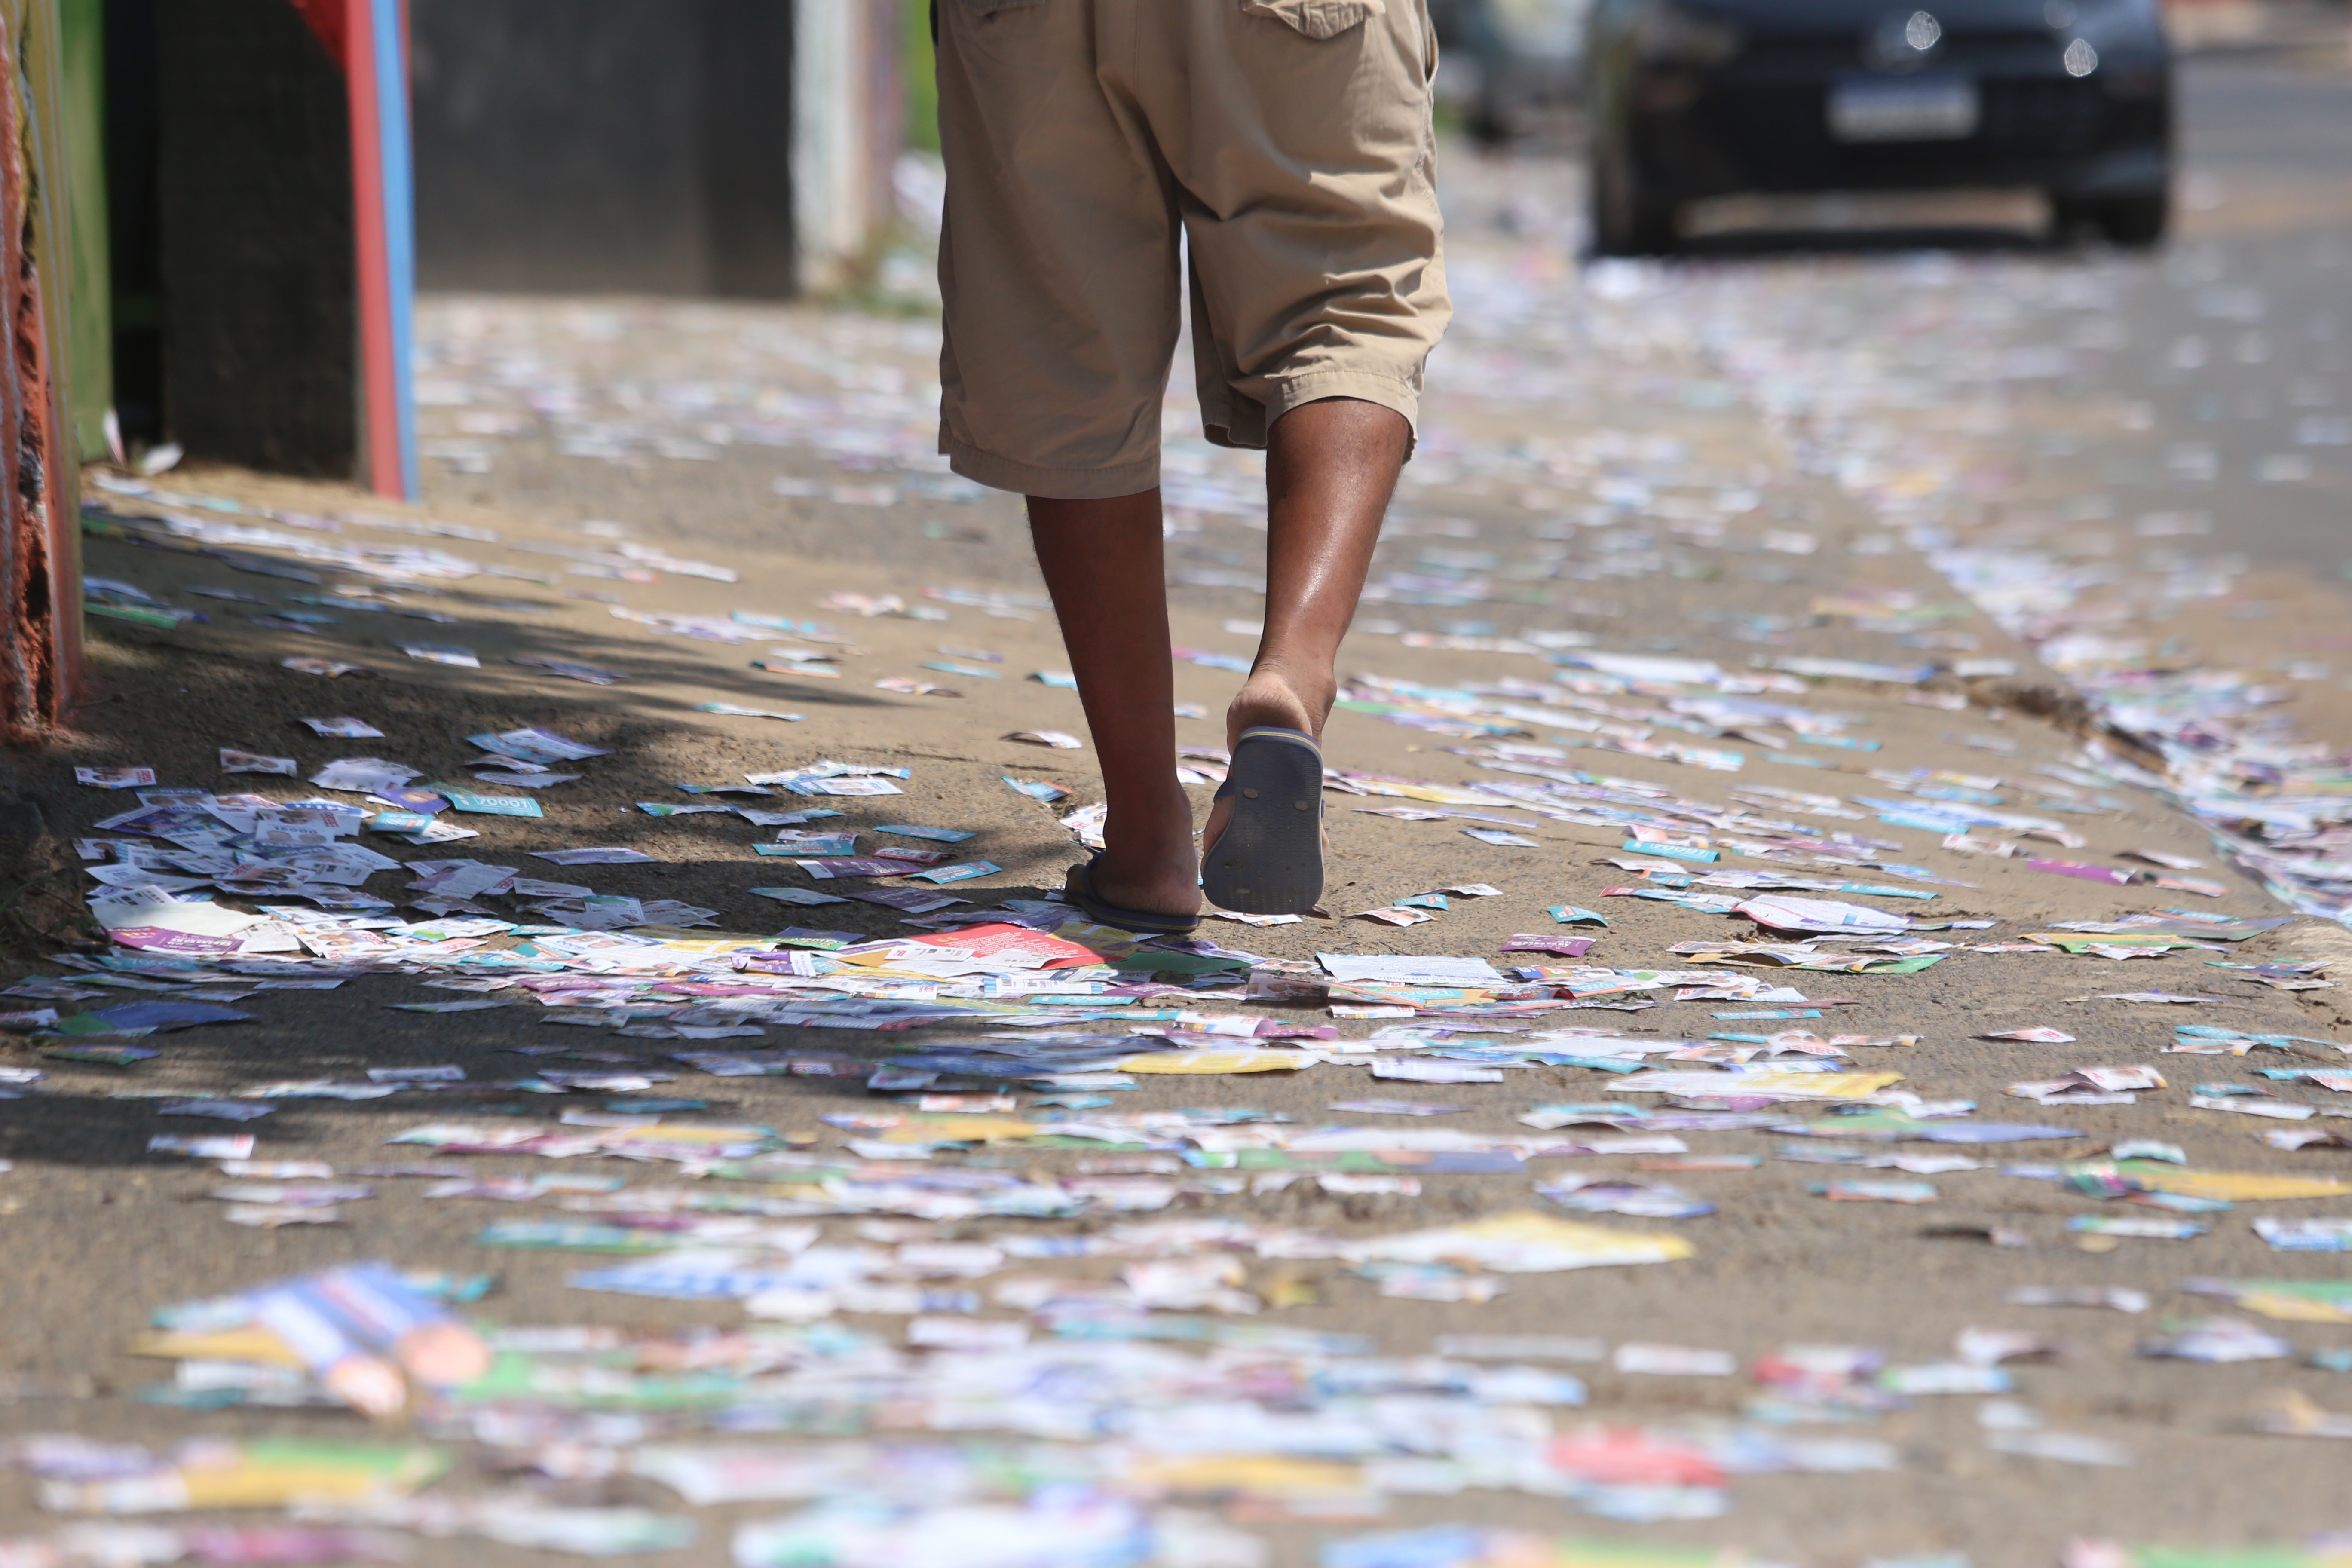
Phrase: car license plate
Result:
[1903,109]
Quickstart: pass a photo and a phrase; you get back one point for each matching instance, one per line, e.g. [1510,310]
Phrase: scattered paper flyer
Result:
[943,875]
[236,762]
[807,896]
[203,1146]
[843,786]
[1407,970]
[906,901]
[1217,1062]
[493,774]
[823,846]
[1818,915]
[364,775]
[152,908]
[441,653]
[733,712]
[1428,1069]
[1756,1085]
[1672,1360]
[829,868]
[593,673]
[538,746]
[1523,1242]
[488,805]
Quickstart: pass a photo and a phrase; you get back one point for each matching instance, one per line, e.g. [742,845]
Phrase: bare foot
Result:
[1155,872]
[1272,696]
[1276,695]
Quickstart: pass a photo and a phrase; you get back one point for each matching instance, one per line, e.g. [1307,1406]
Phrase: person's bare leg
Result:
[1102,564]
[1331,467]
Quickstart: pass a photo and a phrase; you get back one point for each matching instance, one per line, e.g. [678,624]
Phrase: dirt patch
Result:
[42,909]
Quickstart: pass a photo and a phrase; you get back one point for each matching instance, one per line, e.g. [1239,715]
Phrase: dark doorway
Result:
[595,146]
[253,241]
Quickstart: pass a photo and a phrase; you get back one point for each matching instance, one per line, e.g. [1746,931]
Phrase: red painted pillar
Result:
[40,645]
[370,38]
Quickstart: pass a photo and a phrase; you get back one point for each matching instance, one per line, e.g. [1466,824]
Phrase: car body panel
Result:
[1694,99]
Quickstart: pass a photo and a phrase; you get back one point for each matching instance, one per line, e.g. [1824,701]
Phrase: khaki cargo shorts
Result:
[1288,140]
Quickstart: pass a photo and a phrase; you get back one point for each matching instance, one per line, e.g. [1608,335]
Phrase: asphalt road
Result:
[2246,327]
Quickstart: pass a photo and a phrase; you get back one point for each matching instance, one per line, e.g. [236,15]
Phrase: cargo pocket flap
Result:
[1319,18]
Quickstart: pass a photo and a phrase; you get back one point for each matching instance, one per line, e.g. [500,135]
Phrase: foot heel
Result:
[1269,860]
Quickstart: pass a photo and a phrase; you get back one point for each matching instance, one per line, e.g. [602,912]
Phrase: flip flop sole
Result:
[1270,859]
[1079,891]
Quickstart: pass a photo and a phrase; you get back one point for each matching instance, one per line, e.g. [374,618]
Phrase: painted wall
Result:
[686,147]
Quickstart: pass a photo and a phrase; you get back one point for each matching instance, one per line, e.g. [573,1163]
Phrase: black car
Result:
[1694,99]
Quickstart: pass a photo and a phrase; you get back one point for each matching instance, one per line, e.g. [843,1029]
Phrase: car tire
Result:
[1626,219]
[2134,223]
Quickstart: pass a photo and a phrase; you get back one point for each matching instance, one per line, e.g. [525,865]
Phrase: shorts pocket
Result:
[985,6]
[1319,18]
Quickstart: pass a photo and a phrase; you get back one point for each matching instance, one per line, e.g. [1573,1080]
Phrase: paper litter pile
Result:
[1757,1096]
[1068,1314]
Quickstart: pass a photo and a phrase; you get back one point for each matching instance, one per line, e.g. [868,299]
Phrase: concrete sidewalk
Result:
[1636,555]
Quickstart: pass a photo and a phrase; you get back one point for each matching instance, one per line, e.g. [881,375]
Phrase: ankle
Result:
[1136,838]
[1157,868]
[1275,695]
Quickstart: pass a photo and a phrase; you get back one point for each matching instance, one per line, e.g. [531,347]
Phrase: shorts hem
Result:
[1002,473]
[1313,386]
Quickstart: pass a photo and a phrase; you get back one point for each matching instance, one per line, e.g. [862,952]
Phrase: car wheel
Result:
[1626,219]
[2136,223]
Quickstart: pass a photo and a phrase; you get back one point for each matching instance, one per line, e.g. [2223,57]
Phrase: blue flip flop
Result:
[1270,859]
[1079,892]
